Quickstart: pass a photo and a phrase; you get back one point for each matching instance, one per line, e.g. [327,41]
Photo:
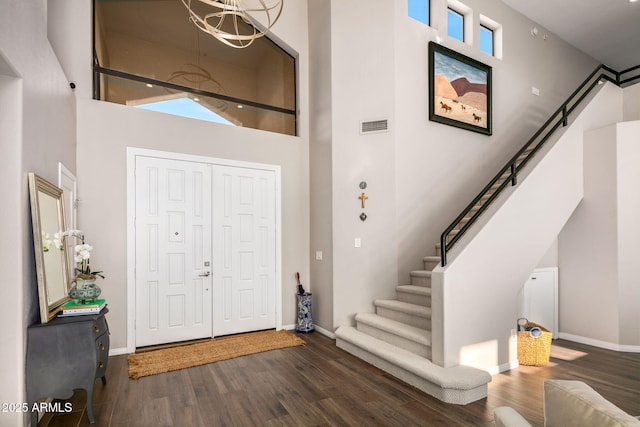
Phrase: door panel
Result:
[193,219]
[538,299]
[244,250]
[173,243]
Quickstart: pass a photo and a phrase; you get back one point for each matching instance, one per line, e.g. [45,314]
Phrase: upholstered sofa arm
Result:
[570,404]
[574,403]
[506,416]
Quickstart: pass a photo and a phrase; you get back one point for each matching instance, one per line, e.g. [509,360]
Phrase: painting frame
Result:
[448,70]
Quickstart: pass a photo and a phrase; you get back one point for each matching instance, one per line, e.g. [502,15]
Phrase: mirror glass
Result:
[47,216]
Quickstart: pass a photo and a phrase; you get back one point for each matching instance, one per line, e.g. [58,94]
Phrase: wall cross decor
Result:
[363,197]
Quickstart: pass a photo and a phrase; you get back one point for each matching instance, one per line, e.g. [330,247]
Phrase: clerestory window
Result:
[455,24]
[486,40]
[148,54]
[419,10]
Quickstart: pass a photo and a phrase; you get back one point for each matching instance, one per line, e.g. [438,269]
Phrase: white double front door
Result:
[205,238]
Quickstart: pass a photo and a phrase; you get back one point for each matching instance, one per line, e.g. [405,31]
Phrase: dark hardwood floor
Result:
[320,384]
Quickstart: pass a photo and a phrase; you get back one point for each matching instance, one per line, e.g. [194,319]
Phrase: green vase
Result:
[84,291]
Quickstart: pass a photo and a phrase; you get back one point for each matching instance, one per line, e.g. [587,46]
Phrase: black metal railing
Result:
[98,70]
[509,173]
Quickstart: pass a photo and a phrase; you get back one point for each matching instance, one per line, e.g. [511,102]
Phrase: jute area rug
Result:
[201,353]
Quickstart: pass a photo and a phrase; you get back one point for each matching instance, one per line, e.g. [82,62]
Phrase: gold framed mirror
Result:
[52,268]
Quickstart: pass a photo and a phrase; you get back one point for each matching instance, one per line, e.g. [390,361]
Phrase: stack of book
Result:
[73,309]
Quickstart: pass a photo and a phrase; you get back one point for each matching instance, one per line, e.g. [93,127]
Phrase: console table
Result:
[66,354]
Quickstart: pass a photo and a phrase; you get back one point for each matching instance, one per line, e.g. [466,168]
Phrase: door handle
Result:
[205,274]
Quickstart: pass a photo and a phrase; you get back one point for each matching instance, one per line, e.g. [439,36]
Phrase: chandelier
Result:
[226,19]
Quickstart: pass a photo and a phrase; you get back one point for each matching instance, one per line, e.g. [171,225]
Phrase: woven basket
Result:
[534,351]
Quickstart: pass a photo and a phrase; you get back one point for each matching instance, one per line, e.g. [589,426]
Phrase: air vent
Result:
[374,126]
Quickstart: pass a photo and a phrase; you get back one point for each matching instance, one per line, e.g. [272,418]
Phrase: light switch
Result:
[357,242]
[318,255]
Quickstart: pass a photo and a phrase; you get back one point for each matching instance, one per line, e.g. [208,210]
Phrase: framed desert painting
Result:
[459,90]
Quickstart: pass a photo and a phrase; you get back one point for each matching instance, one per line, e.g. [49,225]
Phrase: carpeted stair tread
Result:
[458,378]
[404,307]
[431,258]
[418,335]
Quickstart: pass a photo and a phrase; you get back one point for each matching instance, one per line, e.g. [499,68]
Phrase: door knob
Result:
[205,274]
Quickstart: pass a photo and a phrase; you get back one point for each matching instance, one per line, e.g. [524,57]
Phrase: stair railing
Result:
[509,173]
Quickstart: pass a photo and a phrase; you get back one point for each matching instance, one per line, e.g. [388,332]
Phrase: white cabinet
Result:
[538,299]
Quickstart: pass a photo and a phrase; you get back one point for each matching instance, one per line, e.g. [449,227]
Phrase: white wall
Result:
[73,52]
[628,153]
[593,289]
[608,285]
[440,169]
[362,88]
[421,174]
[632,103]
[320,148]
[12,245]
[37,130]
[550,258]
[479,286]
[105,130]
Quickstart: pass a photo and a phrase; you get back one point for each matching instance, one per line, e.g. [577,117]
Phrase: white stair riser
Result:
[413,298]
[412,346]
[409,319]
[421,281]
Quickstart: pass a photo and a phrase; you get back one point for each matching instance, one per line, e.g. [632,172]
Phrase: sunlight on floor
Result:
[559,352]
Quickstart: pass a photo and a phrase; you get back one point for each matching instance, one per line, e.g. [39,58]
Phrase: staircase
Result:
[397,339]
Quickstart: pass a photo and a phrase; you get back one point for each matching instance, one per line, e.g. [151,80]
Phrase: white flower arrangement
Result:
[82,256]
[48,244]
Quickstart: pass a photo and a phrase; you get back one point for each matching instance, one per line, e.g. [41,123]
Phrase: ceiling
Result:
[607,30]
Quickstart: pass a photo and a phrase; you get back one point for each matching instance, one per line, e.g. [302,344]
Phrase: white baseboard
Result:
[503,368]
[601,344]
[317,328]
[118,351]
[325,332]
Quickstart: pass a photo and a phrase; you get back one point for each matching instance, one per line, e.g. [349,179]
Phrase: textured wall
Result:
[37,130]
